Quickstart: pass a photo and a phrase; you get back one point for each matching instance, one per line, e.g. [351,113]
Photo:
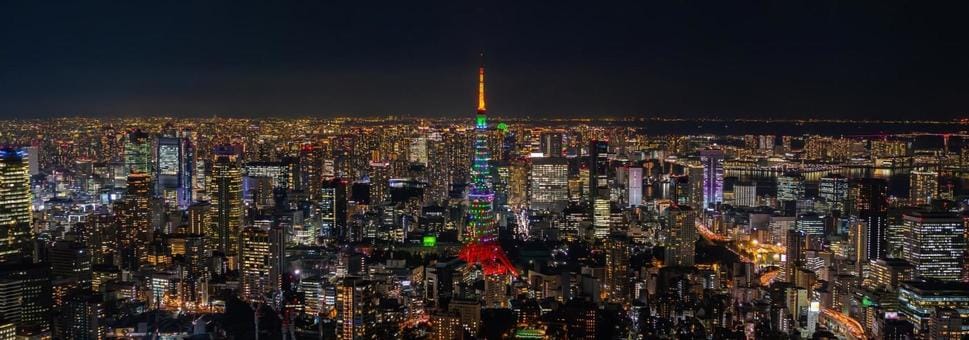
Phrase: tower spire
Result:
[481,87]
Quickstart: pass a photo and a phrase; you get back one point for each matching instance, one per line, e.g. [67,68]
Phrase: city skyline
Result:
[518,225]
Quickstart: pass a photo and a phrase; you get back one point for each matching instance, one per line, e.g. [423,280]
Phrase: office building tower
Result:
[712,161]
[919,301]
[833,189]
[379,182]
[278,267]
[551,144]
[691,192]
[333,209]
[16,216]
[82,316]
[598,169]
[225,192]
[634,186]
[924,187]
[935,244]
[790,187]
[794,258]
[617,281]
[682,236]
[417,150]
[356,309]
[601,218]
[169,169]
[26,296]
[870,205]
[137,153]
[134,216]
[745,194]
[311,170]
[549,188]
[254,267]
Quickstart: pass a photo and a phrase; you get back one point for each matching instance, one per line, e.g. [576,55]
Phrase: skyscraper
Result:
[254,267]
[681,241]
[790,187]
[634,186]
[833,189]
[869,204]
[15,208]
[712,160]
[551,144]
[549,189]
[935,244]
[137,152]
[924,187]
[225,192]
[745,194]
[356,309]
[169,170]
[333,209]
[598,170]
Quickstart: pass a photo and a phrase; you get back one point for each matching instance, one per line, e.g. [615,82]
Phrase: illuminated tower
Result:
[481,246]
[712,160]
[137,152]
[255,266]
[225,189]
[15,212]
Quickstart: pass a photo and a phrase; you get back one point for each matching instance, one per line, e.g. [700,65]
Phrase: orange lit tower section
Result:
[481,237]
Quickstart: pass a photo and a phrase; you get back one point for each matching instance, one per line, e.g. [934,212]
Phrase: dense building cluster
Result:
[449,229]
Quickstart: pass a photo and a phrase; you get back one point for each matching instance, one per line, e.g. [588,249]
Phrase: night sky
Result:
[785,59]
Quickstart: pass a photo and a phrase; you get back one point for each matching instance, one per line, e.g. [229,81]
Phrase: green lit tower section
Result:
[481,239]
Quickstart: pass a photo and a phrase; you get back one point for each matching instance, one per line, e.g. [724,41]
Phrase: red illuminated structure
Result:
[481,239]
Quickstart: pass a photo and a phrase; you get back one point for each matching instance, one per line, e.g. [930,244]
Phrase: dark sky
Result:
[822,58]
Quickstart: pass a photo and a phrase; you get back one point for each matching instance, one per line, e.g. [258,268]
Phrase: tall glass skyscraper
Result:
[712,160]
[15,211]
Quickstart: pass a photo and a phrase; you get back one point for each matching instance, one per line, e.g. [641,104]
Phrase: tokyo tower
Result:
[481,237]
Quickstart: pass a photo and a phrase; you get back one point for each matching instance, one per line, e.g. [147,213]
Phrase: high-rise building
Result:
[924,187]
[169,169]
[870,205]
[549,189]
[333,209]
[833,189]
[134,215]
[598,169]
[935,244]
[417,150]
[137,153]
[551,144]
[379,182]
[277,257]
[790,187]
[254,267]
[794,258]
[634,186]
[712,160]
[745,194]
[681,241]
[15,209]
[601,218]
[26,295]
[918,301]
[356,309]
[225,192]
[617,281]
